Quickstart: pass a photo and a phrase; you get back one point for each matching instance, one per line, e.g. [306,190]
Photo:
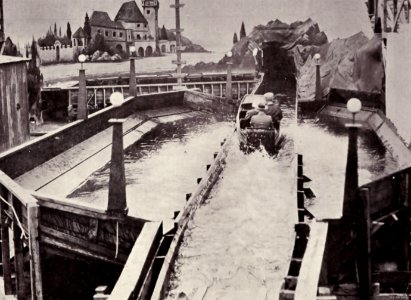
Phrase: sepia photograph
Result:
[205,149]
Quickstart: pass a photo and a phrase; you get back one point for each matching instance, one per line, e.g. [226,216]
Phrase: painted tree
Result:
[60,32]
[163,33]
[34,79]
[55,29]
[68,31]
[87,26]
[242,31]
[235,38]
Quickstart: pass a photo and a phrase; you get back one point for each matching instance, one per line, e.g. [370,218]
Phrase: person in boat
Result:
[261,120]
[273,110]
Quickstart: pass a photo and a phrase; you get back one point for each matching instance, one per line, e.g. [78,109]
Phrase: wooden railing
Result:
[389,13]
[19,212]
[98,96]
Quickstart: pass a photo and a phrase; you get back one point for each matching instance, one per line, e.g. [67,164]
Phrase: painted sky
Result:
[211,23]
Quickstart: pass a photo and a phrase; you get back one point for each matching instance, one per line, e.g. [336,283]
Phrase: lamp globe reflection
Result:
[132,50]
[317,58]
[116,99]
[354,105]
[82,58]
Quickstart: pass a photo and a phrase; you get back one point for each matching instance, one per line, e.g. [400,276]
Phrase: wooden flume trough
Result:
[43,225]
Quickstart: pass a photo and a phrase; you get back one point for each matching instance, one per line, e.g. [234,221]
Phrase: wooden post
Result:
[5,249]
[351,206]
[371,6]
[300,189]
[82,112]
[229,85]
[384,18]
[318,92]
[117,202]
[34,245]
[364,248]
[18,251]
[133,81]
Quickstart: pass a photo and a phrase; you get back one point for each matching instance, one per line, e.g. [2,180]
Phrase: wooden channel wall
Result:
[14,105]
[29,155]
[385,207]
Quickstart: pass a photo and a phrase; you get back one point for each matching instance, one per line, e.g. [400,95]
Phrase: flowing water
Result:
[238,244]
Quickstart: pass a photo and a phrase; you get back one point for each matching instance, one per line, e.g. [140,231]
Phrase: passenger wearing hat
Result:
[273,110]
[261,120]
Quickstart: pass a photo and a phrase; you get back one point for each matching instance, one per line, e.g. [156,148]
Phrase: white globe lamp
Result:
[317,58]
[354,105]
[116,99]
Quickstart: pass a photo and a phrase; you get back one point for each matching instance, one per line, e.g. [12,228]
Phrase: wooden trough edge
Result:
[205,186]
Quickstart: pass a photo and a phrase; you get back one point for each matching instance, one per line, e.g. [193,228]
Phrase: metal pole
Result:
[133,80]
[178,31]
[82,113]
[318,92]
[117,202]
[229,86]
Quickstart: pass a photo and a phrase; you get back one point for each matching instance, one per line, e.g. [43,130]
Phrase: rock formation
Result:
[354,63]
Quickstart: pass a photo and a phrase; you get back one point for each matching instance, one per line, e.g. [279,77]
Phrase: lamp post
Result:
[229,84]
[257,65]
[82,112]
[318,92]
[351,205]
[117,201]
[133,81]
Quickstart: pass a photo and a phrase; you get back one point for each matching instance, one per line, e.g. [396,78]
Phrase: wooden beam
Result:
[364,247]
[49,241]
[18,251]
[139,261]
[5,250]
[60,239]
[307,285]
[35,265]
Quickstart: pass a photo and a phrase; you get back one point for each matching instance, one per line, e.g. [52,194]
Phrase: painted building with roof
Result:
[132,26]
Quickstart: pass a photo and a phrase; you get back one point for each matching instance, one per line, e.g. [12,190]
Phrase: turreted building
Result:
[132,27]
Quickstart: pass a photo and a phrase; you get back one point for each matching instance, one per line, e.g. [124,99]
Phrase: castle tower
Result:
[150,11]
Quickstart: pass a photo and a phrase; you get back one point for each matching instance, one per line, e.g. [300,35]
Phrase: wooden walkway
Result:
[63,173]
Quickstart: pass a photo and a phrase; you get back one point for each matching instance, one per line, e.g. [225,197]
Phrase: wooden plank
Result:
[75,208]
[18,252]
[138,262]
[309,276]
[364,247]
[75,249]
[34,246]
[19,193]
[5,248]
[94,250]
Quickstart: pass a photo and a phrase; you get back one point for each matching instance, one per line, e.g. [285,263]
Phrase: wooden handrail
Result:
[16,190]
[307,285]
[152,85]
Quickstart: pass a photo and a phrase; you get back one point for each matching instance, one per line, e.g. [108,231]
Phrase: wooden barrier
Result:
[19,211]
[192,205]
[27,156]
[307,285]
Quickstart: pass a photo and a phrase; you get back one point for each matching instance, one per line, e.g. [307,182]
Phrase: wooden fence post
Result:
[5,248]
[18,251]
[34,245]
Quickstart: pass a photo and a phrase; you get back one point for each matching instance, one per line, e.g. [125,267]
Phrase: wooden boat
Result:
[253,138]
